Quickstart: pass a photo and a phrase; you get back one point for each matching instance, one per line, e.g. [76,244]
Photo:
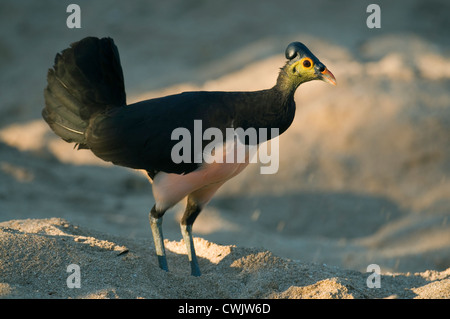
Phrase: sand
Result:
[36,254]
[363,172]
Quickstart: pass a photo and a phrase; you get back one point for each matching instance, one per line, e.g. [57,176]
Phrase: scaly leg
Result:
[156,226]
[186,231]
[195,203]
[191,213]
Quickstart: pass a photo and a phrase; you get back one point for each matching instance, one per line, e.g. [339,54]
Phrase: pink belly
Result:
[169,189]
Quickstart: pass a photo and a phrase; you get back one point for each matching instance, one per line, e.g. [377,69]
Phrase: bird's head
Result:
[303,66]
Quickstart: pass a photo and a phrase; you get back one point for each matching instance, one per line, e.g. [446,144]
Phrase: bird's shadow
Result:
[329,214]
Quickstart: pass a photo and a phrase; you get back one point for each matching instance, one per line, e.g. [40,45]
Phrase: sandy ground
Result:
[363,176]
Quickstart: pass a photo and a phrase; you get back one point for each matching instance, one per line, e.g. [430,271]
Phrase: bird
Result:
[85,104]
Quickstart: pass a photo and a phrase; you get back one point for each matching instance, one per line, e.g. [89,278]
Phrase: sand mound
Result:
[35,255]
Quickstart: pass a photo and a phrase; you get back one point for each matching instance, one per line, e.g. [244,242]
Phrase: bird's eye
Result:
[307,63]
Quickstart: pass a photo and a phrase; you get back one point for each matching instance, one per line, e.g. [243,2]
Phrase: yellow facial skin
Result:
[304,69]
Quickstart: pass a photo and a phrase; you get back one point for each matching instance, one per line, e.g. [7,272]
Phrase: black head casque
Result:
[296,51]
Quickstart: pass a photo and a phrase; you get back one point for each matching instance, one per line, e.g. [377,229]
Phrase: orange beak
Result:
[327,76]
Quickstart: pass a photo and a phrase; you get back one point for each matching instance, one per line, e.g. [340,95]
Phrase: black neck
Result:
[287,85]
[271,108]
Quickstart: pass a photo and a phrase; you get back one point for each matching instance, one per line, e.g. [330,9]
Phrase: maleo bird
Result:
[85,103]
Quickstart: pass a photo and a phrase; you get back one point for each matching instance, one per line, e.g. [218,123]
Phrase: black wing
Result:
[139,135]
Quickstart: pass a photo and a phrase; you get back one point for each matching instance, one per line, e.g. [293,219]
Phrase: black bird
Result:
[85,103]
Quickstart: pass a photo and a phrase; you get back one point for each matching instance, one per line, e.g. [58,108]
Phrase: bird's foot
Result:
[195,269]
[162,261]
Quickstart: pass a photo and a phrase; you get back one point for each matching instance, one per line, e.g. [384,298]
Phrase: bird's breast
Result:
[221,164]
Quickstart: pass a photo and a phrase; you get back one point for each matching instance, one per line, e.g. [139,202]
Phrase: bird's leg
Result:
[156,226]
[190,214]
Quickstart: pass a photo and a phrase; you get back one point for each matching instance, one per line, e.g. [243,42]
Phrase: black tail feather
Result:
[86,79]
